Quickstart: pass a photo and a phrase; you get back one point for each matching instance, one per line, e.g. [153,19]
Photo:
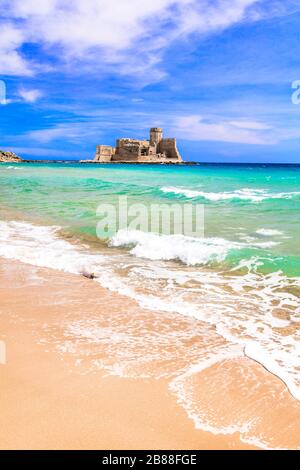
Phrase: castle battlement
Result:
[155,150]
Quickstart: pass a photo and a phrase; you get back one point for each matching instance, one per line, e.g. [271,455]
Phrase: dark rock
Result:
[89,275]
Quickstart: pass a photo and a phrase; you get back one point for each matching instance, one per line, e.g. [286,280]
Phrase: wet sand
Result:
[60,391]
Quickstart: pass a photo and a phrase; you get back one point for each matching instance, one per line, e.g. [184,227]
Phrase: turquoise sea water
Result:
[243,277]
[249,205]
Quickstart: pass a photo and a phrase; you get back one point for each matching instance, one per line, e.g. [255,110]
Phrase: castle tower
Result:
[156,135]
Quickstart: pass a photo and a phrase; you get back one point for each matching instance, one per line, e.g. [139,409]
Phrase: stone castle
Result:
[155,150]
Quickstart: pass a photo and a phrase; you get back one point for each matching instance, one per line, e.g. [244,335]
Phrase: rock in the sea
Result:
[7,157]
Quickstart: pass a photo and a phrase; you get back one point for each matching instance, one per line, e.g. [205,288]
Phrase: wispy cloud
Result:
[188,127]
[62,131]
[30,96]
[196,128]
[75,132]
[250,125]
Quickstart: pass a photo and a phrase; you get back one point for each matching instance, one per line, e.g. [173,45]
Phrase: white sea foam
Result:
[189,193]
[244,194]
[205,392]
[42,246]
[188,250]
[277,362]
[265,232]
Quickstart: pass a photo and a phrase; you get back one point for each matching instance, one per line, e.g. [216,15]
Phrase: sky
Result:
[222,76]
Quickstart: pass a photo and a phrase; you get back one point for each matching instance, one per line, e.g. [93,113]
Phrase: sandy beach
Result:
[53,397]
[49,403]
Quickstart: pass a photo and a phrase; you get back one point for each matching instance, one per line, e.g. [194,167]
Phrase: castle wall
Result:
[131,149]
[104,153]
[131,143]
[169,148]
[126,155]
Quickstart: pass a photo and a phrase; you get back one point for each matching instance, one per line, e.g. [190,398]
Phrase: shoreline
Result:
[85,399]
[187,163]
[91,162]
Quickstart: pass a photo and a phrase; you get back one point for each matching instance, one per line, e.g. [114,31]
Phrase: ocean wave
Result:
[265,232]
[190,251]
[189,193]
[42,246]
[244,194]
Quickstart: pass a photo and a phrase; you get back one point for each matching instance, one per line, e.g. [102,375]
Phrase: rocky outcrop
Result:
[9,157]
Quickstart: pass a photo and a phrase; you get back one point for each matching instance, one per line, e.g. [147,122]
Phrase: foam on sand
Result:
[42,246]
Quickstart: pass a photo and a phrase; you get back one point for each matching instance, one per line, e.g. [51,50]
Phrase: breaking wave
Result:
[190,251]
[245,194]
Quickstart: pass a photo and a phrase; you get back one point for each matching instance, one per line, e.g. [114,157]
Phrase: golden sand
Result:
[62,390]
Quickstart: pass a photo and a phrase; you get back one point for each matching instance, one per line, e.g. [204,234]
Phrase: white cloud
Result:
[192,127]
[195,128]
[30,96]
[61,131]
[71,132]
[205,16]
[250,125]
[11,39]
[132,34]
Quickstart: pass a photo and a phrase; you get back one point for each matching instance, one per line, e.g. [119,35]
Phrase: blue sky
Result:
[216,74]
